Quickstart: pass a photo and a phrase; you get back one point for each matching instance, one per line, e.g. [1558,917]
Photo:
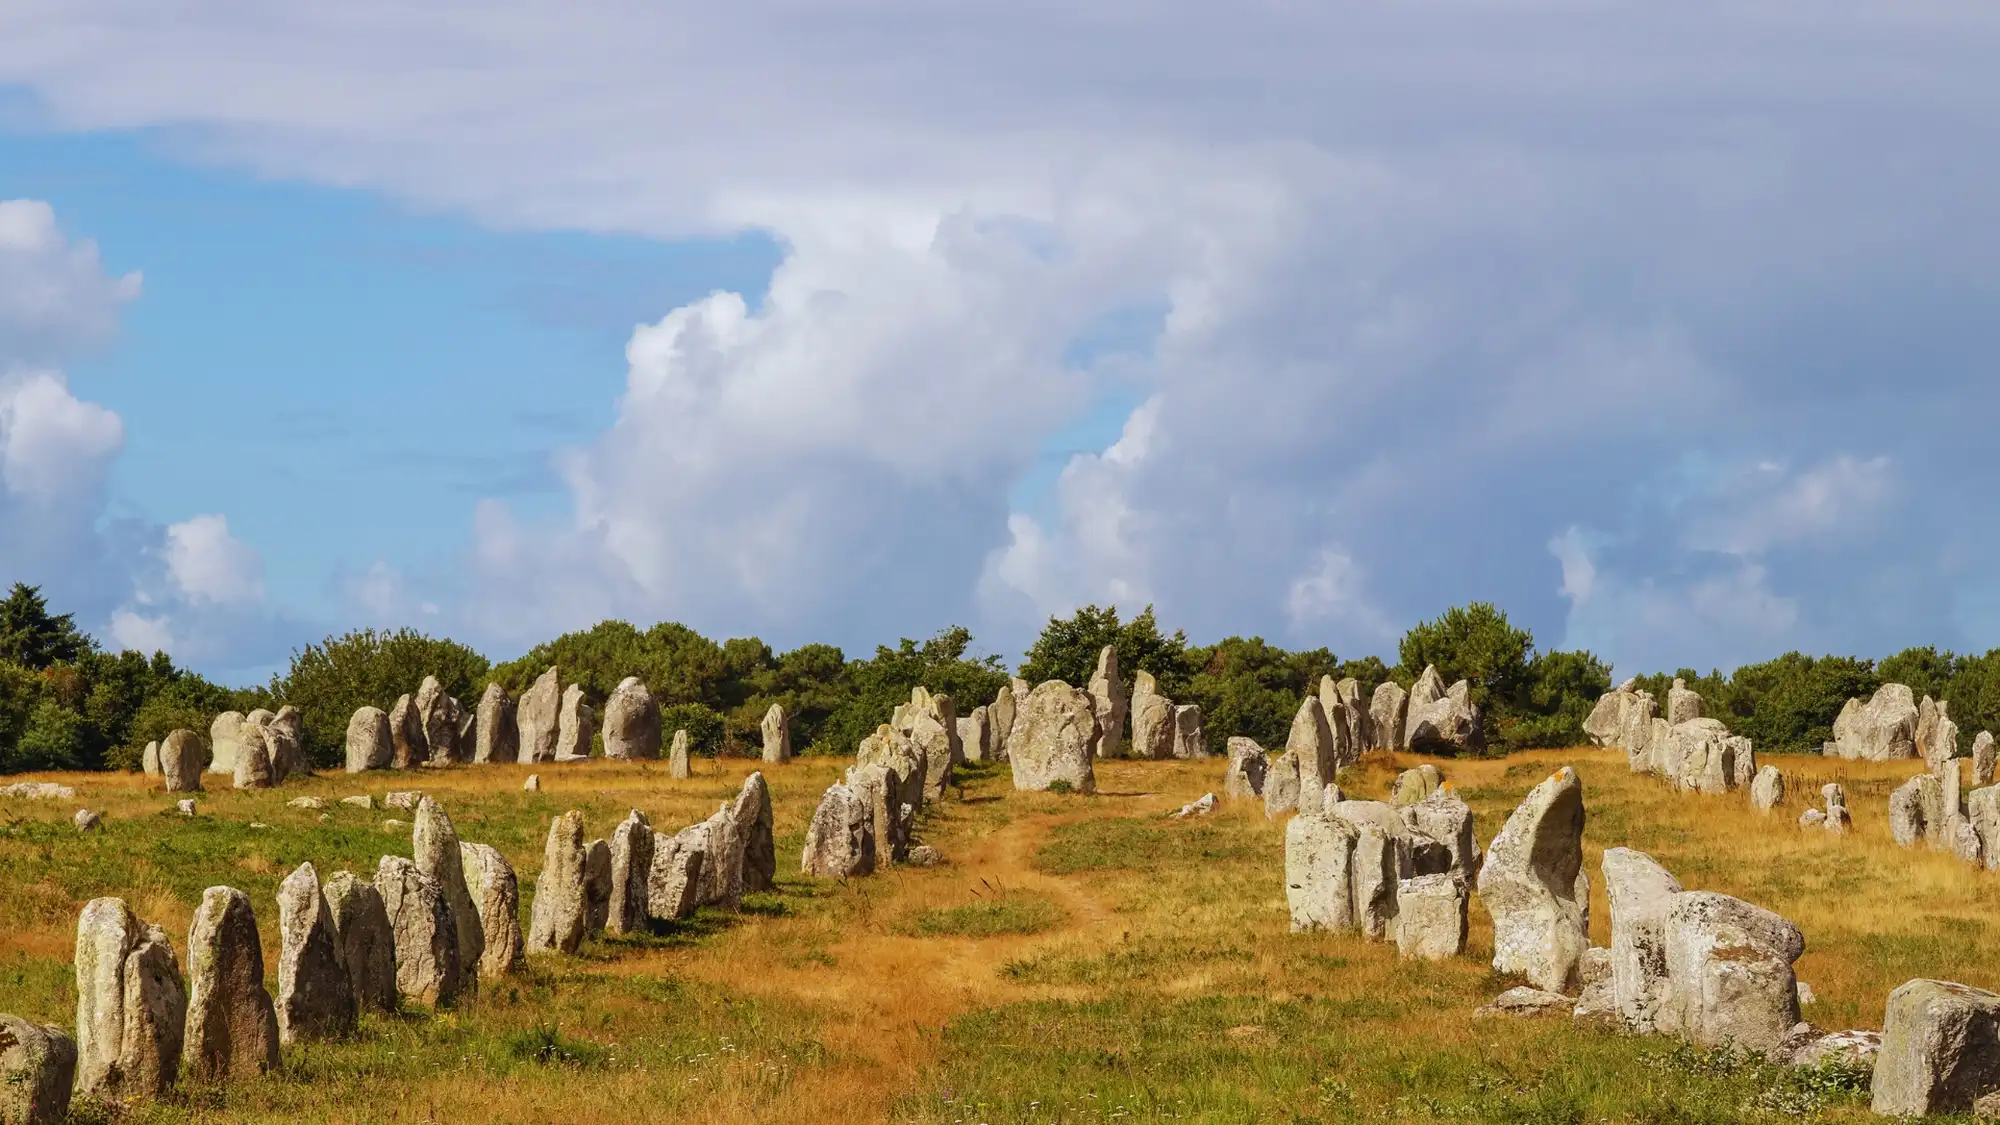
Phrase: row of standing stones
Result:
[425,931]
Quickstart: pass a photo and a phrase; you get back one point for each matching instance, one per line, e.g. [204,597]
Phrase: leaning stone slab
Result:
[840,841]
[1940,1049]
[752,814]
[232,1028]
[1108,696]
[496,898]
[576,726]
[1534,886]
[631,868]
[427,966]
[37,1068]
[435,846]
[367,941]
[315,994]
[1641,893]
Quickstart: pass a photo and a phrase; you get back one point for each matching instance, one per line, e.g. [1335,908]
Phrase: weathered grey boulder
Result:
[900,755]
[1428,689]
[496,737]
[631,872]
[1360,722]
[1055,738]
[1430,917]
[538,718]
[1446,818]
[437,715]
[1642,725]
[1856,1048]
[1882,729]
[285,734]
[1107,694]
[1729,968]
[496,899]
[877,785]
[1378,868]
[1388,708]
[1525,1002]
[37,1069]
[1152,719]
[182,759]
[131,1004]
[752,815]
[596,885]
[1281,786]
[435,846]
[368,743]
[975,733]
[1000,717]
[223,735]
[360,922]
[1247,767]
[1982,759]
[777,732]
[1412,786]
[254,769]
[1642,893]
[406,734]
[1982,813]
[1310,743]
[1937,735]
[631,723]
[678,766]
[87,821]
[1768,790]
[1940,1049]
[232,1028]
[428,970]
[1533,884]
[1607,718]
[930,722]
[840,841]
[1450,724]
[576,725]
[673,886]
[722,860]
[149,759]
[1319,873]
[315,993]
[1190,739]
[1683,704]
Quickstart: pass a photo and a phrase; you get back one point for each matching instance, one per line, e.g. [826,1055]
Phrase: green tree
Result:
[941,665]
[1788,705]
[1562,687]
[703,724]
[331,680]
[33,637]
[52,739]
[1926,671]
[1067,649]
[1474,643]
[1250,688]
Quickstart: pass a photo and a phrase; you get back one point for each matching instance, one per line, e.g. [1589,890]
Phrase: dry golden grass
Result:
[1161,979]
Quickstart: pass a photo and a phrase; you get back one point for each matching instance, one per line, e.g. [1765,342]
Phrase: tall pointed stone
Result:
[576,726]
[1534,886]
[679,766]
[232,1027]
[539,718]
[427,967]
[315,994]
[37,1070]
[406,734]
[438,717]
[1107,694]
[1311,744]
[1152,719]
[496,897]
[752,814]
[777,731]
[1386,711]
[435,847]
[557,921]
[131,1004]
[367,942]
[631,870]
[496,737]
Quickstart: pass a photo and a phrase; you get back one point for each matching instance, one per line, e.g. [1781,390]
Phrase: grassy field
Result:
[1076,958]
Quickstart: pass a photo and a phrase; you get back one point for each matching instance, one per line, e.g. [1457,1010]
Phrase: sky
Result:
[1667,328]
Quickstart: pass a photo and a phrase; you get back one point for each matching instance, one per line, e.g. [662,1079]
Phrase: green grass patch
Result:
[1139,844]
[993,917]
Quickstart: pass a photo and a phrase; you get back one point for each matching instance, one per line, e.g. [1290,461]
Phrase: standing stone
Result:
[468,731]
[777,731]
[1247,767]
[840,841]
[904,759]
[1055,738]
[1982,812]
[877,786]
[1641,892]
[1319,873]
[678,766]
[1414,785]
[438,719]
[1447,724]
[232,1029]
[254,768]
[1190,740]
[596,885]
[976,735]
[1916,810]
[722,861]
[182,758]
[496,899]
[1387,709]
[673,888]
[631,723]
[315,993]
[539,718]
[360,921]
[435,847]
[1281,786]
[285,734]
[131,1004]
[496,738]
[1377,870]
[428,970]
[1606,720]
[930,722]
[752,816]
[1108,696]
[1311,744]
[1937,735]
[1882,729]
[37,1069]
[149,760]
[631,872]
[223,734]
[1152,719]
[1445,817]
[1683,703]
[1000,719]
[1534,886]
[1982,759]
[575,726]
[1767,792]
[1359,724]
[1940,1049]
[368,743]
[1729,964]
[406,734]
[1430,917]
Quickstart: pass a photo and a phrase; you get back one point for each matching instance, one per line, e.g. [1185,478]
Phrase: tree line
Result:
[67,703]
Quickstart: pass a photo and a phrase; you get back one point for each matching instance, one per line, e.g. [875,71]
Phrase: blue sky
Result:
[1667,330]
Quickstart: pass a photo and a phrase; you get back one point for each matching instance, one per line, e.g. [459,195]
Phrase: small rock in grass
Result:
[87,821]
[405,799]
[185,806]
[393,825]
[363,801]
[1524,1002]
[1201,807]
[923,855]
[306,803]
[533,784]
